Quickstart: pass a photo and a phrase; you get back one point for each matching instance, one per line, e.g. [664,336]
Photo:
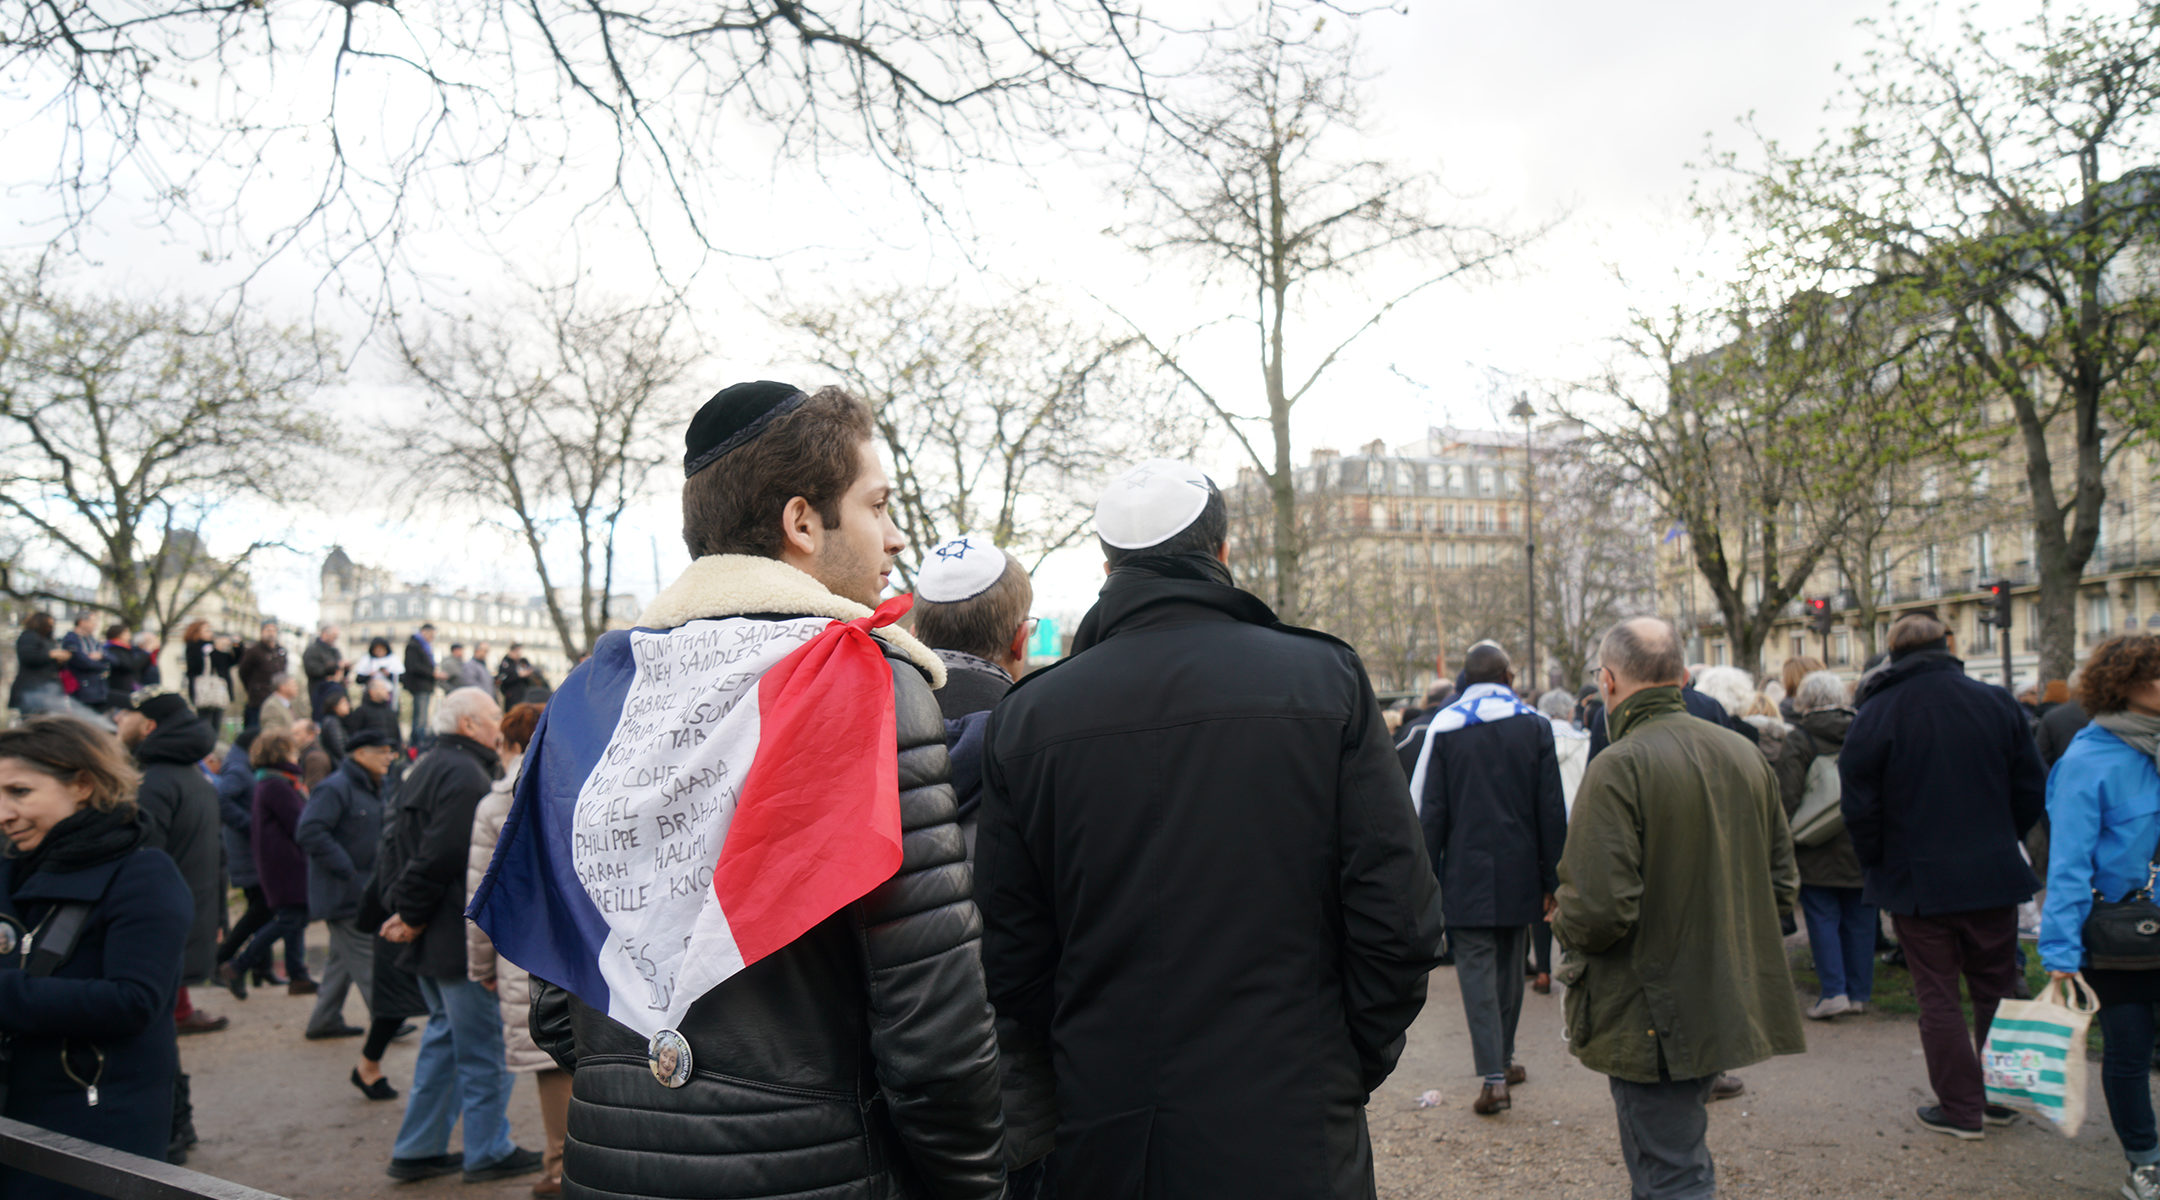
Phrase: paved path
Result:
[277,1113]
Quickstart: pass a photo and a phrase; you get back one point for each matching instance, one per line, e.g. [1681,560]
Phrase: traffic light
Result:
[1999,606]
[1819,619]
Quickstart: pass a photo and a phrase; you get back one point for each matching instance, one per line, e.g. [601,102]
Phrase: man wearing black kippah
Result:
[761,736]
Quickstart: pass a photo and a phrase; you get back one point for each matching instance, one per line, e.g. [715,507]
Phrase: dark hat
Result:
[162,707]
[365,738]
[735,414]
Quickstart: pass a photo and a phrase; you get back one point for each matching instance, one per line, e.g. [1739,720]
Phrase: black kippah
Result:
[735,414]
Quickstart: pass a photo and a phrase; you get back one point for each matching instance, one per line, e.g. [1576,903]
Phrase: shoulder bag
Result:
[2124,935]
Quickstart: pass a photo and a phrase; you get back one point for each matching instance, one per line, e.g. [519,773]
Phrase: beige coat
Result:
[513,987]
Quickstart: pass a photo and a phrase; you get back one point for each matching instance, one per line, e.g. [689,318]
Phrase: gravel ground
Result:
[277,1113]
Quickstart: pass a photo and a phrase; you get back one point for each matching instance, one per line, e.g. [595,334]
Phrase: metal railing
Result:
[104,1171]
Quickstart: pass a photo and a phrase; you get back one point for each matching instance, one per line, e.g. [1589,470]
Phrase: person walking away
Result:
[1841,924]
[971,609]
[1941,782]
[379,664]
[323,662]
[262,663]
[421,677]
[460,1071]
[513,676]
[87,663]
[1677,873]
[87,1014]
[2053,734]
[128,665]
[1199,865]
[280,865]
[177,810]
[510,983]
[208,666]
[2103,800]
[1489,796]
[861,1029]
[1409,747]
[38,663]
[340,831]
[1556,691]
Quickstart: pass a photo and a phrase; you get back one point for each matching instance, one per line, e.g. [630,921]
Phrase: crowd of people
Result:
[781,896]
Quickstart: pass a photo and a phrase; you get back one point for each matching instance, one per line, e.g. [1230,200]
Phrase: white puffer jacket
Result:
[513,987]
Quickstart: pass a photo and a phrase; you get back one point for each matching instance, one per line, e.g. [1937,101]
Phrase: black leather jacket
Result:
[856,1064]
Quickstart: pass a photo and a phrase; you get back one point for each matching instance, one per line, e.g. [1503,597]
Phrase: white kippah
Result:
[960,569]
[1151,503]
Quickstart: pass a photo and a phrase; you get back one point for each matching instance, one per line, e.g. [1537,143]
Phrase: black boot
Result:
[183,1123]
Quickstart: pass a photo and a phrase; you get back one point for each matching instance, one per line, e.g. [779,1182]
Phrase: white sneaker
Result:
[1828,1007]
[2143,1183]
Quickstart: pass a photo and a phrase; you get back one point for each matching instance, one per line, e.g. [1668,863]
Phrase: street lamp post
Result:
[1523,412]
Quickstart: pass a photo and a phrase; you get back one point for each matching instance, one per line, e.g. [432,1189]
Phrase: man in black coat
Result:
[377,711]
[422,869]
[513,678]
[1941,781]
[423,674]
[260,665]
[1201,875]
[1488,791]
[322,661]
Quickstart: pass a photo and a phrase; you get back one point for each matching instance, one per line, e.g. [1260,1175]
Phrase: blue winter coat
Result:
[341,829]
[113,995]
[236,810]
[1942,781]
[2103,803]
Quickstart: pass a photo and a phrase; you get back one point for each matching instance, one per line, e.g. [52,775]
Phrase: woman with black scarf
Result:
[89,1039]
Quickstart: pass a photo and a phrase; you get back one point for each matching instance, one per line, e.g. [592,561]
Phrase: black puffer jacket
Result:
[858,1063]
[179,807]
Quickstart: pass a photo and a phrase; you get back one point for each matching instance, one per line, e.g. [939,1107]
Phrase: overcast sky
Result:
[1585,113]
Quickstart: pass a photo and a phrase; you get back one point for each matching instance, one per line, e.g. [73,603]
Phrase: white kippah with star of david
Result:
[1151,503]
[960,569]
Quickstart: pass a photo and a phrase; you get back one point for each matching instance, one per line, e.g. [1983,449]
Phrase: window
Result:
[1799,646]
[1435,477]
[1983,553]
[1379,511]
[1455,479]
[1449,553]
[1840,647]
[1403,481]
[1505,512]
[2099,620]
[1717,654]
[1931,568]
[1485,481]
[1488,519]
[1375,475]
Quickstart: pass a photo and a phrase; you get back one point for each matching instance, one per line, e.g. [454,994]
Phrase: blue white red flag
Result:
[693,800]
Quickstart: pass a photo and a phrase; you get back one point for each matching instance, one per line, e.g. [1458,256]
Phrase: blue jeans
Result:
[288,923]
[422,702]
[460,1070]
[2126,1078]
[1841,934]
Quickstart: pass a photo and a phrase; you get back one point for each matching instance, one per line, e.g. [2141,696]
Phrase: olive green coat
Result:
[1677,869]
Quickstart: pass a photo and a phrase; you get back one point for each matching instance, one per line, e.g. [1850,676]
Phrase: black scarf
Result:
[1139,582]
[87,839]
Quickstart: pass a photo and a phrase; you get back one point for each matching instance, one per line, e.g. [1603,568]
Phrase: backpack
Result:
[1820,816]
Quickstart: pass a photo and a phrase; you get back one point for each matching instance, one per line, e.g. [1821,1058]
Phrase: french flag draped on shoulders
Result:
[695,798]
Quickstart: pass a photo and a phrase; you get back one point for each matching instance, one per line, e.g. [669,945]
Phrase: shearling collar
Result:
[733,585]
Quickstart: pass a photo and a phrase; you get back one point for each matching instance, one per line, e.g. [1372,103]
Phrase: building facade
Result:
[368,602]
[1958,529]
[1411,553]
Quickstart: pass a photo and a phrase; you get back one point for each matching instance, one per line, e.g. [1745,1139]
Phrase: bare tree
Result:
[546,419]
[1998,182]
[1594,557]
[395,117]
[124,426]
[1259,186]
[1001,418]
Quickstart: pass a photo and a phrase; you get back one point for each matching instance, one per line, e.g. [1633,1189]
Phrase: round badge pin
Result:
[10,936]
[669,1057]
